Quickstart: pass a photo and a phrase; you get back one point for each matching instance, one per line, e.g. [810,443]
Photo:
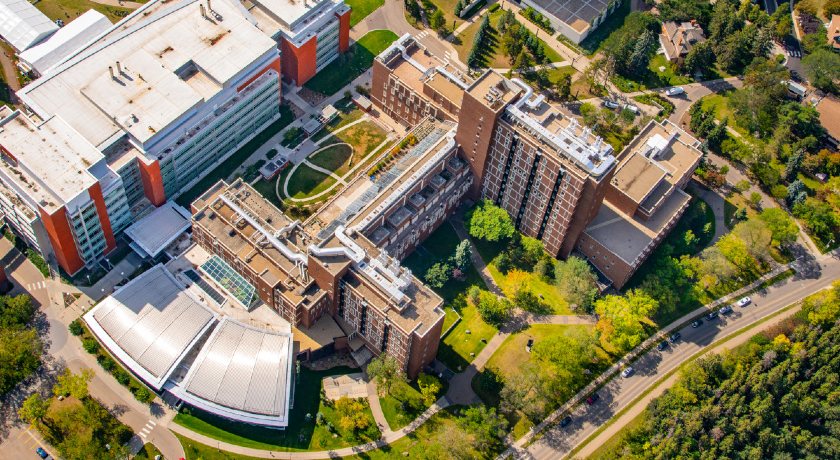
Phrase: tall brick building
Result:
[377,303]
[550,173]
[310,33]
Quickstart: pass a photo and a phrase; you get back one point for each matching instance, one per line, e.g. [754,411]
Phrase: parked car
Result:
[726,310]
[632,108]
[662,345]
[566,421]
[743,302]
[712,315]
[674,337]
[674,91]
[697,323]
[627,372]
[611,104]
[41,452]
[593,398]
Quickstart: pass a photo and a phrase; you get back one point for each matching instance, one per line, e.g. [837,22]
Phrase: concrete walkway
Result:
[120,3]
[376,408]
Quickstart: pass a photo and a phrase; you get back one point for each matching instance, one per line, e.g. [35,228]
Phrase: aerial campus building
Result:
[133,118]
[160,328]
[551,174]
[575,19]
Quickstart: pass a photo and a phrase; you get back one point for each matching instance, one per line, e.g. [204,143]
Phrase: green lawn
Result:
[548,293]
[67,10]
[653,77]
[495,57]
[306,182]
[364,136]
[456,348]
[148,452]
[333,157]
[301,434]
[508,360]
[347,113]
[403,405]
[195,450]
[362,8]
[592,43]
[224,170]
[351,64]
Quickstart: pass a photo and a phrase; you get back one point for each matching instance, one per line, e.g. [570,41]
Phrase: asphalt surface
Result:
[649,368]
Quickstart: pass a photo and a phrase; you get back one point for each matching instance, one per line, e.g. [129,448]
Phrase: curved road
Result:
[619,392]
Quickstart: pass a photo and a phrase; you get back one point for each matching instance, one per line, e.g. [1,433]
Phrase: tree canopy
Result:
[622,320]
[489,222]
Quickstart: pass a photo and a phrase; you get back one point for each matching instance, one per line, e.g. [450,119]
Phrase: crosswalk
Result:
[36,286]
[150,425]
[423,34]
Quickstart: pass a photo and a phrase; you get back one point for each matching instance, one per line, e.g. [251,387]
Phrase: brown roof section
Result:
[834,32]
[829,110]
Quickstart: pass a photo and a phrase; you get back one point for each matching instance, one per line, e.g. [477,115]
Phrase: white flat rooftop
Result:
[23,25]
[170,62]
[53,159]
[242,373]
[150,324]
[153,233]
[66,41]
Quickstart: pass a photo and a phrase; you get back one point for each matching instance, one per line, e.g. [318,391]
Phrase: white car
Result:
[674,91]
[611,104]
[628,372]
[743,302]
[632,108]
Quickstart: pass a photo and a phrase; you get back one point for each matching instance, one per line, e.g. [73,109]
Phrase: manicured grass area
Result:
[364,136]
[351,64]
[195,450]
[224,170]
[447,7]
[267,187]
[301,434]
[459,347]
[509,360]
[592,43]
[67,10]
[347,113]
[653,78]
[333,157]
[306,182]
[495,57]
[148,452]
[361,8]
[427,442]
[403,405]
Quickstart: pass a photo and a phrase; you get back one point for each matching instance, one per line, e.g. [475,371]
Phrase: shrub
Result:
[106,362]
[90,345]
[143,395]
[122,376]
[76,327]
[38,261]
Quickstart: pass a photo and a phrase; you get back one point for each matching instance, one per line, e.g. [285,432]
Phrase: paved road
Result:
[149,422]
[619,392]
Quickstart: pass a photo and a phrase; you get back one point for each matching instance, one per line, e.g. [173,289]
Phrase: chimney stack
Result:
[119,69]
[209,7]
[111,71]
[203,13]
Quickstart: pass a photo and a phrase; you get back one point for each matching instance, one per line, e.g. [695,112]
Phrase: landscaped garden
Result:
[348,66]
[68,10]
[307,429]
[226,168]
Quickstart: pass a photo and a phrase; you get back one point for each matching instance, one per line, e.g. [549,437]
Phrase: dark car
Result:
[592,399]
[697,323]
[662,345]
[566,421]
[41,452]
[726,310]
[712,315]
[674,337]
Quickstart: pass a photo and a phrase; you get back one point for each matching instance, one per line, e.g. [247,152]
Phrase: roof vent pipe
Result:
[111,71]
[203,13]
[209,7]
